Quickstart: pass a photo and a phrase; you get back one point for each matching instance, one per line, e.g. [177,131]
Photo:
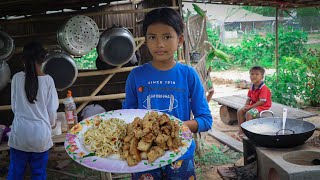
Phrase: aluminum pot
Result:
[62,68]
[5,74]
[6,46]
[116,46]
[268,132]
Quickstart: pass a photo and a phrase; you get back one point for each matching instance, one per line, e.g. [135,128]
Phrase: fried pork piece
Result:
[144,146]
[176,142]
[154,153]
[166,128]
[144,155]
[132,161]
[149,138]
[156,127]
[175,130]
[163,119]
[134,154]
[124,154]
[128,137]
[126,146]
[147,123]
[163,146]
[161,138]
[169,142]
[139,133]
[136,122]
[129,128]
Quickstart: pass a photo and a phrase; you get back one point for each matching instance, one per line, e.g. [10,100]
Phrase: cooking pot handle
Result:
[265,111]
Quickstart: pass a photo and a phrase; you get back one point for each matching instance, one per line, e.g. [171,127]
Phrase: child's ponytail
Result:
[31,82]
[33,53]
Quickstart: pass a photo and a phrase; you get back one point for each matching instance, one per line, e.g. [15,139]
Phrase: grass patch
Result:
[312,46]
[215,156]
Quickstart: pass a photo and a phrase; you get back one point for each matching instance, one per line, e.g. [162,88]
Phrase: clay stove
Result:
[298,163]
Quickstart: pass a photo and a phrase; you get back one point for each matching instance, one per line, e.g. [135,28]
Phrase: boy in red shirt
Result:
[259,99]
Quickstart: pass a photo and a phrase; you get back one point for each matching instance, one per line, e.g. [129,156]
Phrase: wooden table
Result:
[230,105]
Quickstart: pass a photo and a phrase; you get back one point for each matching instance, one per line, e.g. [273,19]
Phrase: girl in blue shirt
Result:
[168,86]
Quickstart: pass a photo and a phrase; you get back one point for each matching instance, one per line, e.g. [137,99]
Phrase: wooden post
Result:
[106,176]
[228,115]
[277,45]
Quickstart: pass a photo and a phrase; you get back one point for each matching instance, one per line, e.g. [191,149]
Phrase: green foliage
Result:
[87,61]
[312,92]
[253,50]
[199,10]
[308,17]
[292,80]
[213,36]
[218,59]
[256,49]
[291,43]
[215,156]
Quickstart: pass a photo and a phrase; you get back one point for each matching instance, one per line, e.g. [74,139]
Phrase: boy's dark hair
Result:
[33,53]
[258,68]
[166,16]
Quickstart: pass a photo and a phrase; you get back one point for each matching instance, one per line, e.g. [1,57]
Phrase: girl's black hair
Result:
[166,16]
[33,53]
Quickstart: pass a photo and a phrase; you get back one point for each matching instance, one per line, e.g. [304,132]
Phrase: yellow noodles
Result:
[107,137]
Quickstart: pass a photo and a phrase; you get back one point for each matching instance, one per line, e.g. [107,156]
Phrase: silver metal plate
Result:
[79,35]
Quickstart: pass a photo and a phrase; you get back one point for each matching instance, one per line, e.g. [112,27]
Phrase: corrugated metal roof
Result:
[271,3]
[228,13]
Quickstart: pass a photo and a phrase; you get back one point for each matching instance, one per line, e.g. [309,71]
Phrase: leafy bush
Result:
[312,92]
[291,84]
[256,49]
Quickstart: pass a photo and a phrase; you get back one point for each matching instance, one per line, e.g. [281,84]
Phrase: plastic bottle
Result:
[70,109]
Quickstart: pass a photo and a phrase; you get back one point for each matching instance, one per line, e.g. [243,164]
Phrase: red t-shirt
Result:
[262,93]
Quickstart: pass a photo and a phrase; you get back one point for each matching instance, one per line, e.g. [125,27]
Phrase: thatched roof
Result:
[273,3]
[37,7]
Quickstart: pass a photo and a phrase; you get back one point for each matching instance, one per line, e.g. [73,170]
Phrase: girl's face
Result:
[162,42]
[256,76]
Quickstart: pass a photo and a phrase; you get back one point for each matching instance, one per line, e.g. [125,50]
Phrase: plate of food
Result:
[128,141]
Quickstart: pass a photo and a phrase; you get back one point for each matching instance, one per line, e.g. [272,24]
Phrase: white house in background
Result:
[234,20]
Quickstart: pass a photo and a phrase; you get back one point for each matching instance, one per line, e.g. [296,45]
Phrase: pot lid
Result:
[79,35]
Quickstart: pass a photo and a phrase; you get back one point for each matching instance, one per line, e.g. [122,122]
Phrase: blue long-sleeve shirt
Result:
[177,91]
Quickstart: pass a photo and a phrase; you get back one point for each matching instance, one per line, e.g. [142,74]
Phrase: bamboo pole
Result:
[82,99]
[277,45]
[104,72]
[107,79]
[96,91]
[97,98]
[139,44]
